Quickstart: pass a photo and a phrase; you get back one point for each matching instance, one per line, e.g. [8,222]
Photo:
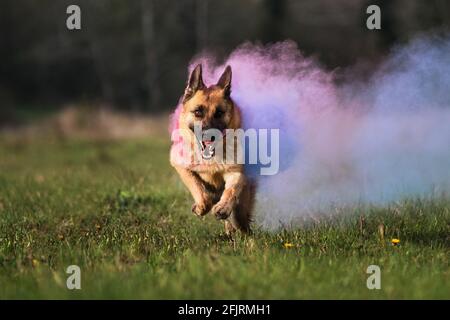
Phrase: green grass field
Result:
[118,210]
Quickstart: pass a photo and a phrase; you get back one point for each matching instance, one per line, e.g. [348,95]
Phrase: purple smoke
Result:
[344,145]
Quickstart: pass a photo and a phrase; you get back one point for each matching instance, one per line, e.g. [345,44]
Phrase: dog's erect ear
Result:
[225,81]
[195,82]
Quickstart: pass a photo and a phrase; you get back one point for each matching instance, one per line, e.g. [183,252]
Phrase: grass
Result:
[118,210]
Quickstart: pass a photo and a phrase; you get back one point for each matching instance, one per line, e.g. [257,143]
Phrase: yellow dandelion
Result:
[395,242]
[288,245]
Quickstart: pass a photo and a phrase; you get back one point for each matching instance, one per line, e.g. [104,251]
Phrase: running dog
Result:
[216,185]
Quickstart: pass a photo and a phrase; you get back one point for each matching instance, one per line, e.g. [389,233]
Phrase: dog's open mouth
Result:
[208,142]
[208,149]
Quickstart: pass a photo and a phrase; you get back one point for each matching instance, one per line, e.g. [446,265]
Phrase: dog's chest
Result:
[214,180]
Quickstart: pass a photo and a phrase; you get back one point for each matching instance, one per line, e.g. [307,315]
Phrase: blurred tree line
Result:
[133,55]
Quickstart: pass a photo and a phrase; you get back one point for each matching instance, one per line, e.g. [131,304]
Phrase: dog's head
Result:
[212,106]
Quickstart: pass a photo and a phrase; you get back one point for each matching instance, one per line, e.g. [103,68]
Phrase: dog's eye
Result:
[198,113]
[218,114]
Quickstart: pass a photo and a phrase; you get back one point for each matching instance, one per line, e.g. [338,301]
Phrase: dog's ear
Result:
[225,81]
[195,82]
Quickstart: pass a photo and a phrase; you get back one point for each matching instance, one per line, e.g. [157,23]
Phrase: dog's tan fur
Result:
[218,187]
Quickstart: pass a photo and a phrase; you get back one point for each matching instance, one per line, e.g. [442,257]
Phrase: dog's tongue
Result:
[207,142]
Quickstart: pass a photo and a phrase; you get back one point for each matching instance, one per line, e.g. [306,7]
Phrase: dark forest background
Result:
[132,55]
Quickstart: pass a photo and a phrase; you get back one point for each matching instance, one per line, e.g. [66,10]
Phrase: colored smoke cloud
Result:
[360,142]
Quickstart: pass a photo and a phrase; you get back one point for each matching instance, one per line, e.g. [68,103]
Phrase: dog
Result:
[217,187]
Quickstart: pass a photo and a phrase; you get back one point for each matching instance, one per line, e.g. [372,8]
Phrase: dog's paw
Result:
[222,210]
[200,209]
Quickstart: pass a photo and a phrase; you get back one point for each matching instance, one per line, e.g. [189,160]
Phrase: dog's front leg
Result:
[202,199]
[234,183]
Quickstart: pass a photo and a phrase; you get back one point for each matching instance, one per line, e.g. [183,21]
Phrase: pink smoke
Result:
[348,144]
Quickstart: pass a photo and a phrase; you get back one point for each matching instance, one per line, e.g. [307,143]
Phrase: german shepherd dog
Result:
[216,186]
